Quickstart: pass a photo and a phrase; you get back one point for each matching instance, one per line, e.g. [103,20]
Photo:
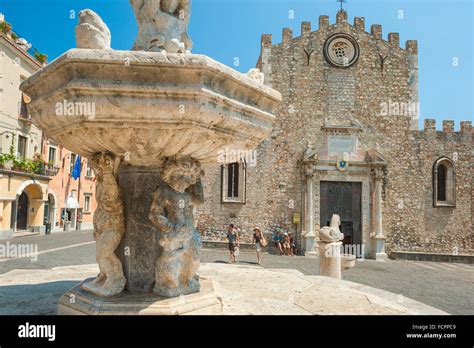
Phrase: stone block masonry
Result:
[368,110]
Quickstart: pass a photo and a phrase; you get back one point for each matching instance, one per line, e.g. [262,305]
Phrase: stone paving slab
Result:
[242,289]
[256,291]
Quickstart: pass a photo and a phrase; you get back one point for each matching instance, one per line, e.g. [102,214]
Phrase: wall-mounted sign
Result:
[296,218]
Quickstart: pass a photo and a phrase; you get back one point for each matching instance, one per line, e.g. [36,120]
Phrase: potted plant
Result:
[6,161]
[3,159]
[9,157]
[18,164]
[5,27]
[41,57]
[38,164]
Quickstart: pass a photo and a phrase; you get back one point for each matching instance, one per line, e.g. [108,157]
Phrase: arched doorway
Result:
[22,212]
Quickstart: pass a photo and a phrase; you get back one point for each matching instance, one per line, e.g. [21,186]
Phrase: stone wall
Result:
[412,223]
[315,94]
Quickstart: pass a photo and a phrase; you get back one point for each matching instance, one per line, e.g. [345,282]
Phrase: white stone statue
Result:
[257,75]
[109,228]
[162,25]
[92,32]
[332,233]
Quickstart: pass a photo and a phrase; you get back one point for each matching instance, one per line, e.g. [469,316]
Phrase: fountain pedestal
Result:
[330,259]
[80,302]
[139,247]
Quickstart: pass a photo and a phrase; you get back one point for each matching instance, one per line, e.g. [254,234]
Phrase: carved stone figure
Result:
[311,151]
[172,213]
[109,228]
[162,25]
[257,75]
[332,233]
[92,32]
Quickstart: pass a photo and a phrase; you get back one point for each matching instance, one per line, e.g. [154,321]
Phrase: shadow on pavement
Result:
[33,299]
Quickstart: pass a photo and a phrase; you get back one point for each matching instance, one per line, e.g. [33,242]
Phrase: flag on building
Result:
[76,172]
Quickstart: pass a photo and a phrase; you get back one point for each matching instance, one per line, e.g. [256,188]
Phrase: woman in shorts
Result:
[287,244]
[234,242]
[257,239]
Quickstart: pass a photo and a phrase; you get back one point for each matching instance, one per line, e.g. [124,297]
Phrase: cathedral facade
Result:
[346,141]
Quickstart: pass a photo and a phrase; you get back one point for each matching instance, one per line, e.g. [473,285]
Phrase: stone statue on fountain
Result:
[162,25]
[172,213]
[109,227]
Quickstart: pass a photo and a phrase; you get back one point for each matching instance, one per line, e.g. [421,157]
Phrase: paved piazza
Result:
[449,287]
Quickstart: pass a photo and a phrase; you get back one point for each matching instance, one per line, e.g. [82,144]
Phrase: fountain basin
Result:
[149,106]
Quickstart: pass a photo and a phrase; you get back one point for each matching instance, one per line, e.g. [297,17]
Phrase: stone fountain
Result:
[150,120]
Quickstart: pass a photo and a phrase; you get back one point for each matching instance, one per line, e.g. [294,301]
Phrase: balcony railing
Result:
[41,169]
[49,170]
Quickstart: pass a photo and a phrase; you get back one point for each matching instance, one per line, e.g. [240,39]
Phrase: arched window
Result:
[444,183]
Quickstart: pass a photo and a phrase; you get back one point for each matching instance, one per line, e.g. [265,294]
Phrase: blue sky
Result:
[226,29]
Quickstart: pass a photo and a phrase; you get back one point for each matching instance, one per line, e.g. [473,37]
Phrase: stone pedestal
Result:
[330,259]
[379,247]
[309,237]
[79,302]
[379,238]
[160,248]
[310,246]
[139,248]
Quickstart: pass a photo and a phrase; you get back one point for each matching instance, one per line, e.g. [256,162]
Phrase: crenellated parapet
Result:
[264,63]
[412,46]
[365,52]
[323,22]
[305,28]
[287,35]
[359,23]
[448,130]
[376,31]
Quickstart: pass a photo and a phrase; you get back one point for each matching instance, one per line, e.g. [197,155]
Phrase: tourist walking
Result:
[234,242]
[259,241]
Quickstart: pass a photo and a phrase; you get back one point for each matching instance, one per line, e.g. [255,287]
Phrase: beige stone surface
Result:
[249,290]
[242,290]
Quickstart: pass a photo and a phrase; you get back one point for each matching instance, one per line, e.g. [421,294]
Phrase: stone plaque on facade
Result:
[341,144]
